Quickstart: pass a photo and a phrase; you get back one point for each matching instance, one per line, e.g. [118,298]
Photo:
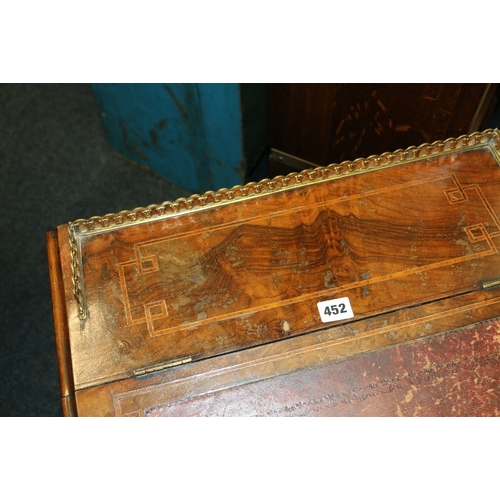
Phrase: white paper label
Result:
[335,310]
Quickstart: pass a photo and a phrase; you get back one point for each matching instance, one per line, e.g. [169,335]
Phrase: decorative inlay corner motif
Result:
[294,180]
[476,232]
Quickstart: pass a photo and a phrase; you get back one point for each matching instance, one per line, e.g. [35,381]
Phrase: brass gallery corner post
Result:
[201,304]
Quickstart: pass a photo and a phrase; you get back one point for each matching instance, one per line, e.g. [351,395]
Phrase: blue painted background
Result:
[191,134]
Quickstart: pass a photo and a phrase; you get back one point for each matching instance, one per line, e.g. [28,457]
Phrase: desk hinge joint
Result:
[490,284]
[161,366]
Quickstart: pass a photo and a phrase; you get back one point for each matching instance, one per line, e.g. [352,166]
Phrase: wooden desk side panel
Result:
[61,327]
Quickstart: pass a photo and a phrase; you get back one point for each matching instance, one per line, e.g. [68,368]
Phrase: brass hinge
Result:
[491,283]
[161,366]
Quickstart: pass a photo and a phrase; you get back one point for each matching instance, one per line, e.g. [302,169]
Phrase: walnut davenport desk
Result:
[371,288]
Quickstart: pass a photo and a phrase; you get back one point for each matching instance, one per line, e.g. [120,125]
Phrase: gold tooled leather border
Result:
[294,180]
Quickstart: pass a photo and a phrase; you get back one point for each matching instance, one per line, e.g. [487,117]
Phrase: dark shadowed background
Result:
[55,166]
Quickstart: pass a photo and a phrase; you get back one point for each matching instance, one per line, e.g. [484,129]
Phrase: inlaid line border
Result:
[294,180]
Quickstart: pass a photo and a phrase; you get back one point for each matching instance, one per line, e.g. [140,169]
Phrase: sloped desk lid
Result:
[223,271]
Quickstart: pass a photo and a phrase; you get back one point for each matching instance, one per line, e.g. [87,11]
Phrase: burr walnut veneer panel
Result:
[189,306]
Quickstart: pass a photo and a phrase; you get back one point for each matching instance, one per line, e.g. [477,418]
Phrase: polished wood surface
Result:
[61,326]
[251,382]
[230,282]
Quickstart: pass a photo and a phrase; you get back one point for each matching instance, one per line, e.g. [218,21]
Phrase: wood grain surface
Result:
[221,385]
[206,286]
